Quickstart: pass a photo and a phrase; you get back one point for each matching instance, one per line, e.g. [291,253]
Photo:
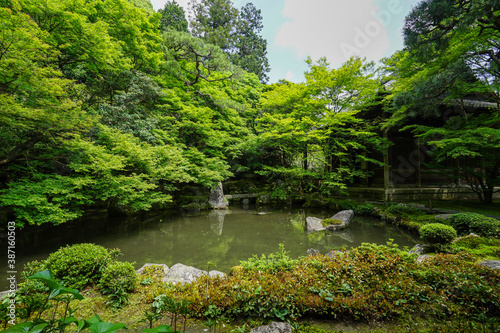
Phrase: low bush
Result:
[437,233]
[479,247]
[365,209]
[80,265]
[367,283]
[465,223]
[272,263]
[403,210]
[118,279]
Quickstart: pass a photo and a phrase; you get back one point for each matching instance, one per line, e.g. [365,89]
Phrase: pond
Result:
[221,237]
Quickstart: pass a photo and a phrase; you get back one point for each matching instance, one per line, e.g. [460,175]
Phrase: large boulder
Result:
[216,199]
[345,216]
[273,327]
[314,224]
[180,274]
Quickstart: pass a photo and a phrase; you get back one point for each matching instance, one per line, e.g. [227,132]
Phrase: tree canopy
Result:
[450,58]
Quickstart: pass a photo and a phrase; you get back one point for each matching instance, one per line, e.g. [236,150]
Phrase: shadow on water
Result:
[222,237]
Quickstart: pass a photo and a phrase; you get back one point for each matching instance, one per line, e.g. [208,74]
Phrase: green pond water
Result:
[221,237]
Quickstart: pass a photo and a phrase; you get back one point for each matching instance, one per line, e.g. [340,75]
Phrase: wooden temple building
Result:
[409,173]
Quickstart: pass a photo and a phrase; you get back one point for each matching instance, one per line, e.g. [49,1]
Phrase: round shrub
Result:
[118,276]
[437,233]
[79,265]
[465,223]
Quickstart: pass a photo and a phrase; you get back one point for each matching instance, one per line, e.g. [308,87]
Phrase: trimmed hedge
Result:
[437,233]
[80,265]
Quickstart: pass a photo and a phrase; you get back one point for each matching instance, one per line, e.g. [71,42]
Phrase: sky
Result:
[335,29]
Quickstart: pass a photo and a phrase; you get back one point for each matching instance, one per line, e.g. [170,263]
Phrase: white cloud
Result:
[289,76]
[336,29]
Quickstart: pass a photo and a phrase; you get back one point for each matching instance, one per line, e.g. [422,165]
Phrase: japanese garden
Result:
[152,179]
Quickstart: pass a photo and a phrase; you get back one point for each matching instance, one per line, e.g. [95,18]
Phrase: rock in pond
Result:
[345,216]
[314,224]
[217,199]
[273,327]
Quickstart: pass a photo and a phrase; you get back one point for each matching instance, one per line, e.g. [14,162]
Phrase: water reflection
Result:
[224,237]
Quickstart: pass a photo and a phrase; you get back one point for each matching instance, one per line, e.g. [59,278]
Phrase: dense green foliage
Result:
[109,105]
[437,234]
[479,224]
[367,283]
[237,33]
[311,138]
[117,280]
[80,265]
[364,284]
[479,247]
[451,58]
[102,109]
[403,210]
[274,262]
[36,320]
[173,17]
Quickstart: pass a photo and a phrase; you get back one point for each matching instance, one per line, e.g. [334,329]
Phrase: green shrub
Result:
[275,262]
[437,233]
[364,209]
[80,265]
[403,210]
[465,223]
[118,275]
[118,279]
[488,227]
[479,247]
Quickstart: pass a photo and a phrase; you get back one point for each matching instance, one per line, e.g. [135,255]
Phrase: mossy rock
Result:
[235,270]
[327,222]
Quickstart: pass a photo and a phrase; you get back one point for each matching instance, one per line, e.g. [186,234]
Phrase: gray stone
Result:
[345,216]
[423,257]
[314,224]
[312,252]
[273,327]
[216,199]
[180,273]
[213,274]
[141,270]
[4,294]
[245,202]
[443,216]
[493,264]
[418,249]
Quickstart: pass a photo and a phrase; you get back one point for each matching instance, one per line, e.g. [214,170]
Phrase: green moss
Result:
[481,248]
[327,222]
